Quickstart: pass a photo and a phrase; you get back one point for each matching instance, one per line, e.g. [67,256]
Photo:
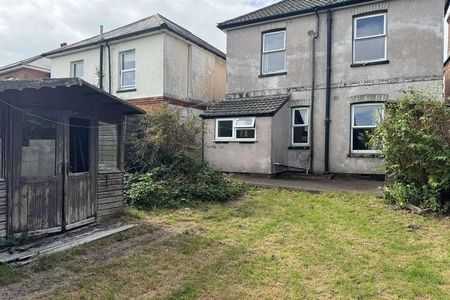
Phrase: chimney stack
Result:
[63,44]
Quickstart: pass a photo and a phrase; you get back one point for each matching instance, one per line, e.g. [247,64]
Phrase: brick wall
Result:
[24,74]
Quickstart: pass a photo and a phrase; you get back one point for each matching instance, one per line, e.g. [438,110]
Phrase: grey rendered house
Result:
[307,82]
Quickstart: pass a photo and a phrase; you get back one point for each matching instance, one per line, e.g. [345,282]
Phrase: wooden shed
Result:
[61,162]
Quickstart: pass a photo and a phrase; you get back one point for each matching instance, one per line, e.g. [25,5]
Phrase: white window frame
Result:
[308,113]
[355,29]
[72,68]
[122,71]
[264,52]
[353,126]
[234,138]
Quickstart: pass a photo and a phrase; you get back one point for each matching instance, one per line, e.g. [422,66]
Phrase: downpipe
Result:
[328,93]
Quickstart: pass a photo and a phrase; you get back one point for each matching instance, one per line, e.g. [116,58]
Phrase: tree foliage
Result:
[415,135]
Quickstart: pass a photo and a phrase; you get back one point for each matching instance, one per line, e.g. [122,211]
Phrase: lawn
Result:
[274,243]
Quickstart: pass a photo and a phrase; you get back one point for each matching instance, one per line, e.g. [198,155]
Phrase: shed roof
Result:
[10,88]
[249,106]
[284,9]
[150,24]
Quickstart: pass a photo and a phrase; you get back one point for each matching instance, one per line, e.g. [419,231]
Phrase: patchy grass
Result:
[274,243]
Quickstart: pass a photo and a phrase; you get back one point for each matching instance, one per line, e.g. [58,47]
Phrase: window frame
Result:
[355,38]
[122,71]
[234,137]
[293,125]
[353,126]
[73,68]
[264,52]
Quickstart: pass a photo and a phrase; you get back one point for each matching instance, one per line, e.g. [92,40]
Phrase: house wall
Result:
[240,157]
[415,53]
[24,73]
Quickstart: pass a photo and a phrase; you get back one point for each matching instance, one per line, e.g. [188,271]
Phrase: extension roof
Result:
[285,9]
[9,89]
[36,62]
[249,106]
[150,24]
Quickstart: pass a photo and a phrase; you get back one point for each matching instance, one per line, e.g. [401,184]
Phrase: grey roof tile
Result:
[149,24]
[252,106]
[283,9]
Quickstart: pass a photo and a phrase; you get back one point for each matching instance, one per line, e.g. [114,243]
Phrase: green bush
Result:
[179,182]
[415,134]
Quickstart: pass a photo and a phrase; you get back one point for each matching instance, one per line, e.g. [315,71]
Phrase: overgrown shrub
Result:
[181,181]
[156,138]
[415,135]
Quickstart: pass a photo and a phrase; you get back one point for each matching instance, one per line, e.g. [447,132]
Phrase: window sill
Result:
[272,74]
[364,155]
[234,141]
[299,147]
[109,172]
[126,90]
[374,63]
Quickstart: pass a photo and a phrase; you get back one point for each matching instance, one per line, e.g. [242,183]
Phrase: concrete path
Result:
[318,183]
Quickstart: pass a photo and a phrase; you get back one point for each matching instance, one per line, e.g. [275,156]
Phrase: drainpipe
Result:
[328,93]
[315,36]
[109,66]
[100,80]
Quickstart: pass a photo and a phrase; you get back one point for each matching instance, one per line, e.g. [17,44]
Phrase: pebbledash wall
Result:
[167,67]
[415,53]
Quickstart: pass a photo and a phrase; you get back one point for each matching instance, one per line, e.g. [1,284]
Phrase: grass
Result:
[274,243]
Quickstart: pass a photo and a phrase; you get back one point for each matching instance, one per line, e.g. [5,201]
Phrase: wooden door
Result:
[36,205]
[80,182]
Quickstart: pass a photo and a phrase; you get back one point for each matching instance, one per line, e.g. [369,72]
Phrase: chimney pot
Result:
[101,32]
[63,44]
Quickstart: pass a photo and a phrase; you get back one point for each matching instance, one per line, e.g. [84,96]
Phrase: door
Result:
[80,160]
[36,205]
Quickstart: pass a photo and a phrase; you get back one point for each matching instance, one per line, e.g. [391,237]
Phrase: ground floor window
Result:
[300,126]
[236,129]
[365,118]
[108,147]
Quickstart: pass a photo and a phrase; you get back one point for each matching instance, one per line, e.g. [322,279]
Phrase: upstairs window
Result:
[127,70]
[77,69]
[236,129]
[369,40]
[274,52]
[365,118]
[300,126]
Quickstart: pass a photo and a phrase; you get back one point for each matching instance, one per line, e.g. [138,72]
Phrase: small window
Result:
[300,126]
[108,147]
[77,69]
[365,118]
[274,52]
[127,70]
[369,40]
[79,140]
[239,129]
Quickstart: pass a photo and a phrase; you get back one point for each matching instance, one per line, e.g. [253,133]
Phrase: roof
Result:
[150,24]
[284,9]
[250,106]
[35,62]
[10,88]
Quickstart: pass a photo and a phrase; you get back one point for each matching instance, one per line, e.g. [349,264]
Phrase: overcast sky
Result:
[30,27]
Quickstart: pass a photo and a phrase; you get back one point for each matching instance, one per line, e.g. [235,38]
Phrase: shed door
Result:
[37,173]
[80,201]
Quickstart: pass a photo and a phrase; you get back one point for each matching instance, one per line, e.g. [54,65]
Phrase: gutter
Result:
[328,92]
[224,25]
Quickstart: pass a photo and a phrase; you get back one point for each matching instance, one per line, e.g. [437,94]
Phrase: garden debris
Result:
[412,228]
[24,254]
[416,210]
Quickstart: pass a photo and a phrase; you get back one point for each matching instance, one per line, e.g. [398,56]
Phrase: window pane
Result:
[245,133]
[38,147]
[361,137]
[301,117]
[370,49]
[368,115]
[274,62]
[79,140]
[108,147]
[274,41]
[128,60]
[78,70]
[245,122]
[225,129]
[370,26]
[128,78]
[300,135]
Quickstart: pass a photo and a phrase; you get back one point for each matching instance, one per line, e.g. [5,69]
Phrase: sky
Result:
[31,27]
